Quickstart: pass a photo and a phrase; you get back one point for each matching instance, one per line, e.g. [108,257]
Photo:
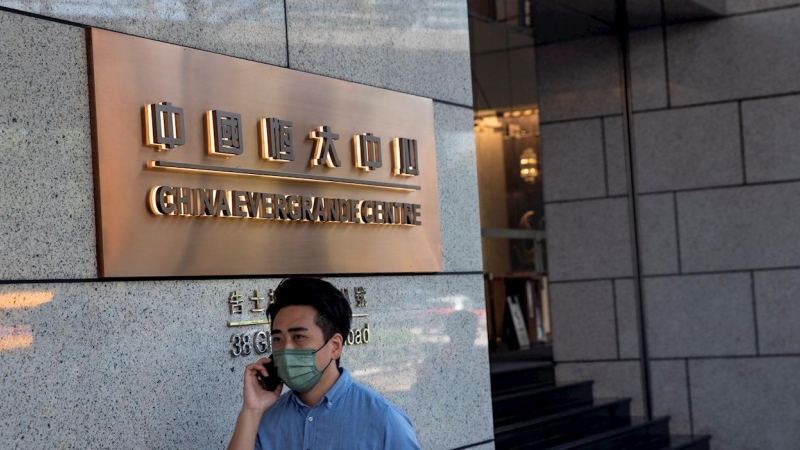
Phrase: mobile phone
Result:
[272,381]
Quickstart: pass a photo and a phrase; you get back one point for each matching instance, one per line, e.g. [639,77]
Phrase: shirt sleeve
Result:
[262,444]
[398,433]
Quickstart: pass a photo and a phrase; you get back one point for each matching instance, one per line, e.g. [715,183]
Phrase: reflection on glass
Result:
[450,328]
[509,173]
[454,337]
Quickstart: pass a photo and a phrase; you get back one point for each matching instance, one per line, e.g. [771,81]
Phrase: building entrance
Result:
[553,113]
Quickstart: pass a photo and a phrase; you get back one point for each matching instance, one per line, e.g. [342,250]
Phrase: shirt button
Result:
[310,419]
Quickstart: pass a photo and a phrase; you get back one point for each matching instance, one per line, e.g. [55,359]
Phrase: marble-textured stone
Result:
[770,138]
[648,74]
[673,149]
[420,47]
[748,403]
[778,311]
[657,234]
[458,188]
[700,315]
[688,148]
[47,227]
[147,364]
[582,317]
[627,323]
[732,58]
[616,170]
[252,30]
[578,79]
[572,159]
[611,379]
[671,395]
[588,240]
[753,227]
[743,6]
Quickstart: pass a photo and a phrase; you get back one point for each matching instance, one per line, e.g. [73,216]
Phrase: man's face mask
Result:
[298,369]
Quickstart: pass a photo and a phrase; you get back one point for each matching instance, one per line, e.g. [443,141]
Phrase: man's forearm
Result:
[244,437]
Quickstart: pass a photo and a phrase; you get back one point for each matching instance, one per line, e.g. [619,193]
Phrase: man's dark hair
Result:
[333,309]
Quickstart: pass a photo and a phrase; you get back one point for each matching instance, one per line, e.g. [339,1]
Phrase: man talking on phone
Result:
[324,409]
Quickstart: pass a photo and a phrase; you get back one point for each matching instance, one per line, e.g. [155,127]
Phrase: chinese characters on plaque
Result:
[224,130]
[225,133]
[250,311]
[165,126]
[259,341]
[277,140]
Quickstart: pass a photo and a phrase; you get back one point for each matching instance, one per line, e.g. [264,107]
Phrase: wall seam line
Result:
[598,361]
[237,277]
[712,188]
[677,231]
[605,153]
[616,320]
[755,310]
[713,103]
[677,107]
[707,272]
[656,276]
[286,28]
[689,398]
[727,357]
[43,17]
[588,280]
[741,144]
[586,199]
[747,13]
[473,445]
[666,51]
[578,119]
[447,102]
[681,358]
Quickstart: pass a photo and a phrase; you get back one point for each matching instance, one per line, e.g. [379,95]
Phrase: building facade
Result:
[146,363]
[679,206]
[714,136]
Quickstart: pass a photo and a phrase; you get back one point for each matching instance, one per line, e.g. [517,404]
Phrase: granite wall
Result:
[715,132]
[87,363]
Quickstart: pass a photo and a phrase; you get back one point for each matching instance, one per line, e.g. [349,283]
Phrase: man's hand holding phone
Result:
[258,378]
[257,399]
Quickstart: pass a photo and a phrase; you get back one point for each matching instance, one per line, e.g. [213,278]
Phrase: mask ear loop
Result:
[323,345]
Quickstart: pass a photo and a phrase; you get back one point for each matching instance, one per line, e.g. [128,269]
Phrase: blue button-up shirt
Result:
[349,417]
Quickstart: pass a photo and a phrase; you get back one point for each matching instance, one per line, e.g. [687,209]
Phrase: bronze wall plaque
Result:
[211,165]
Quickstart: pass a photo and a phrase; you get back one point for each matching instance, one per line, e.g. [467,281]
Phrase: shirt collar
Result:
[339,388]
[334,393]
